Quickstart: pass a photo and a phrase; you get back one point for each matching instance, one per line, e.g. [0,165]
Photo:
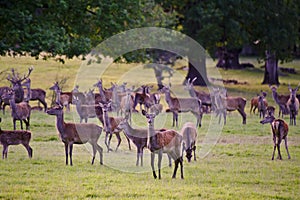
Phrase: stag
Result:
[280,100]
[35,94]
[166,141]
[293,105]
[110,125]
[16,82]
[177,105]
[76,133]
[19,111]
[280,131]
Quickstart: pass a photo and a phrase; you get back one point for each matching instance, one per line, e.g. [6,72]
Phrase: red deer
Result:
[227,103]
[19,111]
[280,131]
[254,101]
[14,138]
[36,94]
[76,133]
[203,96]
[110,125]
[63,98]
[138,137]
[16,82]
[146,98]
[189,138]
[84,111]
[271,110]
[127,104]
[293,105]
[3,90]
[159,142]
[281,100]
[177,105]
[105,95]
[262,106]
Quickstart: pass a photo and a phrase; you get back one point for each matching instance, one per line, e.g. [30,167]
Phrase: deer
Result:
[139,138]
[280,100]
[16,82]
[19,111]
[280,131]
[110,125]
[254,101]
[105,95]
[189,138]
[76,133]
[36,94]
[146,98]
[293,105]
[84,111]
[8,137]
[165,141]
[177,105]
[3,90]
[127,104]
[64,99]
[203,96]
[262,106]
[229,103]
[271,110]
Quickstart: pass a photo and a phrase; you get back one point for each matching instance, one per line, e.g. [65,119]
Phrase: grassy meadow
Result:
[237,166]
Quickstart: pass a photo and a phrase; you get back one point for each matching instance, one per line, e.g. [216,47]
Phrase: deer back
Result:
[80,133]
[14,137]
[280,128]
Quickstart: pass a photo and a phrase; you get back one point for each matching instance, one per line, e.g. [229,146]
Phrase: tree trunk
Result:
[197,68]
[229,59]
[271,69]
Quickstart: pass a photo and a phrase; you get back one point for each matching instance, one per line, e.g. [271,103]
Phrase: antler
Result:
[30,69]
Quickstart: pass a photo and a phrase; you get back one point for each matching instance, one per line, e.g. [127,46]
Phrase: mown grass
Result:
[239,166]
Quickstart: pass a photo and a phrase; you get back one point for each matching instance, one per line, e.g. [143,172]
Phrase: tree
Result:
[274,33]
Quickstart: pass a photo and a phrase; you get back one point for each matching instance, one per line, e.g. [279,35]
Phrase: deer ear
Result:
[101,104]
[194,79]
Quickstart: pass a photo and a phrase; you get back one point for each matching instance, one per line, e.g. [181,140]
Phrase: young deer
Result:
[254,101]
[177,105]
[189,135]
[84,111]
[281,100]
[19,111]
[63,98]
[35,94]
[159,142]
[127,104]
[138,137]
[228,103]
[262,106]
[293,105]
[203,96]
[280,131]
[110,125]
[14,138]
[76,133]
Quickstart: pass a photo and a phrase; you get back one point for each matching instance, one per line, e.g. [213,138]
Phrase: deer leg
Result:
[70,153]
[129,146]
[4,152]
[175,168]
[152,164]
[106,141]
[119,140]
[66,152]
[286,147]
[137,157]
[141,154]
[243,114]
[278,149]
[170,160]
[29,150]
[159,163]
[94,152]
[194,149]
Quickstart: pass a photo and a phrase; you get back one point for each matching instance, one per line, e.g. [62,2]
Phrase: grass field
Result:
[238,166]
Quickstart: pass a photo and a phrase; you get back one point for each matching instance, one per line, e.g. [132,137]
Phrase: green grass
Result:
[239,166]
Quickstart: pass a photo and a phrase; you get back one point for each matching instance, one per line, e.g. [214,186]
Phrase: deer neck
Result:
[151,143]
[60,124]
[275,97]
[168,99]
[192,92]
[13,105]
[101,92]
[106,122]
